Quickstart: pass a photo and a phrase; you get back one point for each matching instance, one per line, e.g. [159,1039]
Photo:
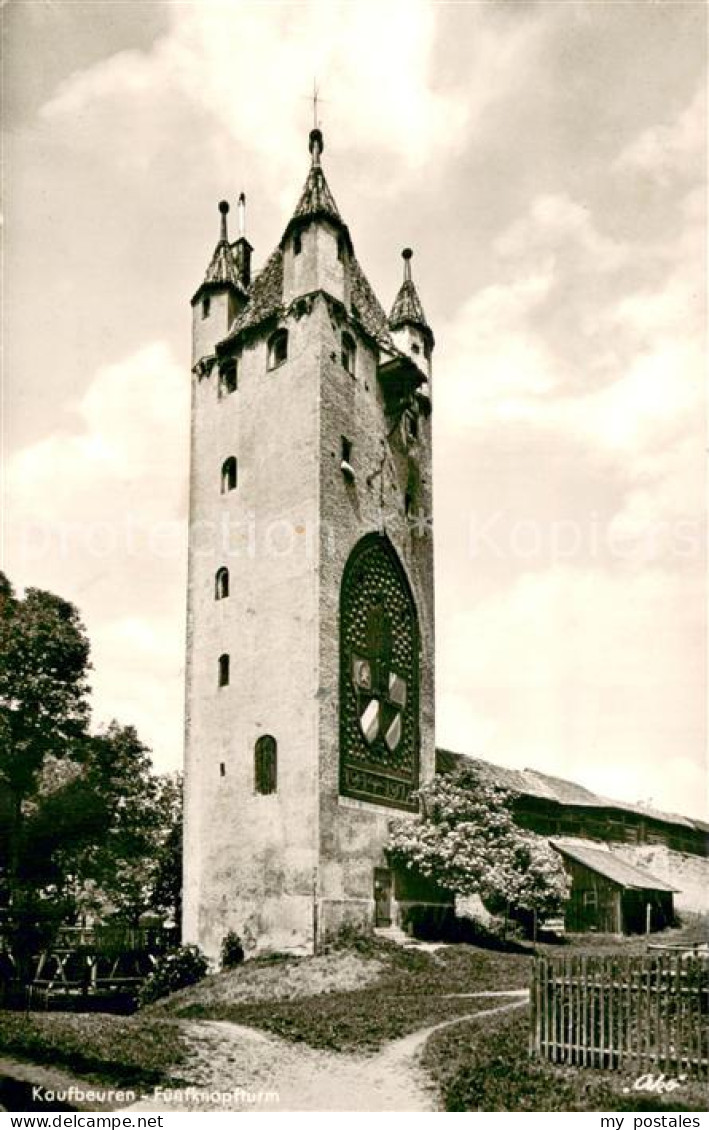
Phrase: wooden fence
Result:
[649,1012]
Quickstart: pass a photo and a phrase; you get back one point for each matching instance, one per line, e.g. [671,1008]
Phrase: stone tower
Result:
[310,612]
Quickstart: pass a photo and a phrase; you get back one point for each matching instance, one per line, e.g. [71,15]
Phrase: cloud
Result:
[582,674]
[671,151]
[247,69]
[243,72]
[98,514]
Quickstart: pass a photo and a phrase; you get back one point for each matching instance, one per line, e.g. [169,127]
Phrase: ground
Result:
[372,1027]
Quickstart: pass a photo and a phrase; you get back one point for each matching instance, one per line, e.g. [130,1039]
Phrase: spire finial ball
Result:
[407,253]
[224,207]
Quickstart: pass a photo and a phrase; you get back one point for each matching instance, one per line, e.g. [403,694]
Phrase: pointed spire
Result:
[222,270]
[316,200]
[407,308]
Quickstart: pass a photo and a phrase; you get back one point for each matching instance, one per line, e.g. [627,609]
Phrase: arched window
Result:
[277,348]
[221,583]
[229,474]
[349,353]
[206,303]
[266,764]
[297,245]
[227,377]
[223,670]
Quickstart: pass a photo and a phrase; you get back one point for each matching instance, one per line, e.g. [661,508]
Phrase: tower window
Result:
[341,248]
[206,303]
[297,245]
[415,348]
[223,670]
[346,462]
[349,353]
[229,474]
[221,583]
[277,348]
[227,377]
[411,426]
[266,764]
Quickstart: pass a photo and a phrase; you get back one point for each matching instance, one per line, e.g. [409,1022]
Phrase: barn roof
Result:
[532,783]
[612,867]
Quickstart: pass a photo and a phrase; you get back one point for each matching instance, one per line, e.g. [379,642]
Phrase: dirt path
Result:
[238,1068]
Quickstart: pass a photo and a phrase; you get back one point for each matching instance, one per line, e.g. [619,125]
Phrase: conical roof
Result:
[407,308]
[223,269]
[316,199]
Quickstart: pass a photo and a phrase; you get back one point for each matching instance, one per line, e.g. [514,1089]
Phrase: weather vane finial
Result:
[316,95]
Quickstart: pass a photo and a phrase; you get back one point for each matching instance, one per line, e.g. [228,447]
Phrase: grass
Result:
[134,1051]
[485,1066]
[414,991]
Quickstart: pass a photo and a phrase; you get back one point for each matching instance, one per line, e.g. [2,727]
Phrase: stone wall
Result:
[251,860]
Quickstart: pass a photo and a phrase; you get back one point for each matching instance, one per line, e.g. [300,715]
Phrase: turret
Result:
[407,322]
[223,292]
[316,242]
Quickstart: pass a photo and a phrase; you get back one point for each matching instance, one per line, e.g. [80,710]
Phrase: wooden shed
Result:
[610,896]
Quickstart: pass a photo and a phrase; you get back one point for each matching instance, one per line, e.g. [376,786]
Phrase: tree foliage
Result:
[44,665]
[85,824]
[466,840]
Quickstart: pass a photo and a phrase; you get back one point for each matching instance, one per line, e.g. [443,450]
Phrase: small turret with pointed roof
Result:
[316,200]
[316,243]
[222,269]
[224,290]
[407,321]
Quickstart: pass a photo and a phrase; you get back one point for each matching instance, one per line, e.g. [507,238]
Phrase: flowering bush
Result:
[175,970]
[466,840]
[232,953]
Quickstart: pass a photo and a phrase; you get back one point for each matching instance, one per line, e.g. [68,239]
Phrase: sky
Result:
[546,162]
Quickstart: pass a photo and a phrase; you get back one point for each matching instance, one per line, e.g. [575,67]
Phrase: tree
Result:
[44,710]
[85,824]
[166,897]
[466,840]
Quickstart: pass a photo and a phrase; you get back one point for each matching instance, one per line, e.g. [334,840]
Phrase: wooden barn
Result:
[610,896]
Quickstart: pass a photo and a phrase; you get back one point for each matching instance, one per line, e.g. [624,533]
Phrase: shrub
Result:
[232,953]
[175,970]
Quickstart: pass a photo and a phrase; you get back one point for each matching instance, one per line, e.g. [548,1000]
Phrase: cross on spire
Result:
[316,101]
[316,94]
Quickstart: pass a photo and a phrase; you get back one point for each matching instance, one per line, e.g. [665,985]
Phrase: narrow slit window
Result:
[297,245]
[341,248]
[229,474]
[206,304]
[349,353]
[221,583]
[266,765]
[277,349]
[223,670]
